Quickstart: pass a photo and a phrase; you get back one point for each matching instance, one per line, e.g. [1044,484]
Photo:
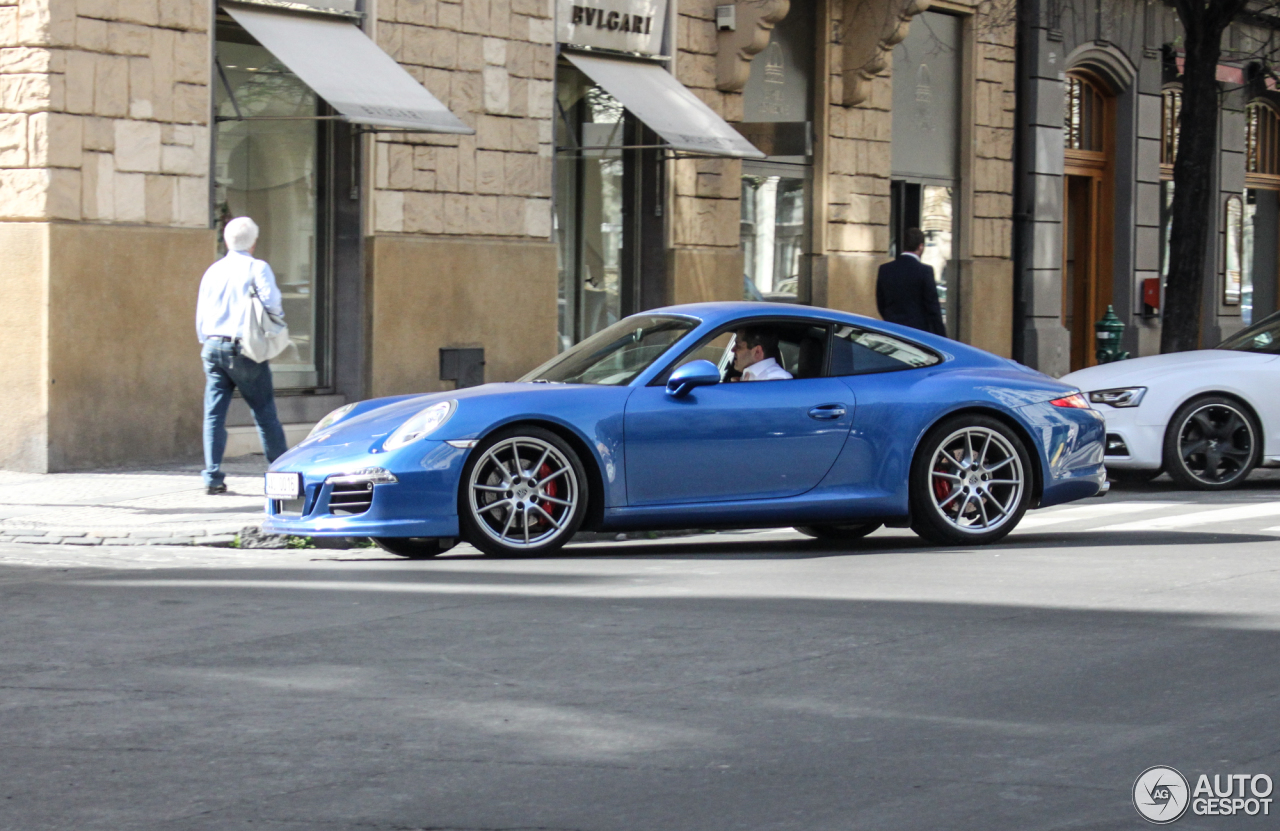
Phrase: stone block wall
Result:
[104,111]
[706,191]
[860,149]
[492,63]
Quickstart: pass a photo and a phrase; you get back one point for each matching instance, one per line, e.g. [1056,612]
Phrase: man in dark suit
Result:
[905,291]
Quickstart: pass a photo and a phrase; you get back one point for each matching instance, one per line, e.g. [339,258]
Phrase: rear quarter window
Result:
[857,351]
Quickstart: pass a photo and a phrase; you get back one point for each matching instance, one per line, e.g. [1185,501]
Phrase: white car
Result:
[1207,417]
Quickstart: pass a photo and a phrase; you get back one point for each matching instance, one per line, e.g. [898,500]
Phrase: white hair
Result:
[241,233]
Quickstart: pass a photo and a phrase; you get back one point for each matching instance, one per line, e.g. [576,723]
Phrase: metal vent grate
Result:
[351,498]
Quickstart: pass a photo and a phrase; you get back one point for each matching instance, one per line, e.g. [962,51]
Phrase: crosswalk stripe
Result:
[1084,513]
[1185,520]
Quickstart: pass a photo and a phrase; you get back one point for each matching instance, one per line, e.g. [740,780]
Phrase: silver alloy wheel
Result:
[976,480]
[1216,443]
[523,492]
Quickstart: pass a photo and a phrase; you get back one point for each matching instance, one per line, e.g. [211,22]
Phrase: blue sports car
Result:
[641,426]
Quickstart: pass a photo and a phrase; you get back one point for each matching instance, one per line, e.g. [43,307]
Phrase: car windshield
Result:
[616,355]
[1263,336]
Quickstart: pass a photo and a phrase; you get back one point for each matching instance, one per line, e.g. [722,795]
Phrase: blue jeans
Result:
[225,371]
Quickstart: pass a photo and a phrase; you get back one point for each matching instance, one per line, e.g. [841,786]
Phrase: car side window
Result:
[857,351]
[717,349]
[802,348]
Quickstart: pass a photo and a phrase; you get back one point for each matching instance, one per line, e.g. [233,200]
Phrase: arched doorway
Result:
[1087,216]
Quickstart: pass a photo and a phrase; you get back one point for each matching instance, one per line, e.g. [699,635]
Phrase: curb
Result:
[197,536]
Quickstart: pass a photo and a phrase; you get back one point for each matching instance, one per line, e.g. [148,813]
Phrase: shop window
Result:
[608,186]
[269,146]
[773,232]
[925,151]
[777,193]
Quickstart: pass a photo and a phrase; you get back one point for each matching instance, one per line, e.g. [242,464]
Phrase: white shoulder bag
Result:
[263,334]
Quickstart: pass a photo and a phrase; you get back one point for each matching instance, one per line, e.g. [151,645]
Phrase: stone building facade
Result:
[131,129]
[1099,109]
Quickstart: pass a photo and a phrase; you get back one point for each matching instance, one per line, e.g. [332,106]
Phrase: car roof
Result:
[719,311]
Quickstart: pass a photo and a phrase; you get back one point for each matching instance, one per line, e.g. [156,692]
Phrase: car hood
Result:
[1141,371]
[478,408]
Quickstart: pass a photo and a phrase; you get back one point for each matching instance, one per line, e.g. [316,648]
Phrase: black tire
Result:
[839,532]
[988,486]
[415,548]
[510,510]
[1132,477]
[1212,443]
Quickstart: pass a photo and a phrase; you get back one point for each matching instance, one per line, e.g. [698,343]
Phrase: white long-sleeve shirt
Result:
[225,291]
[766,369]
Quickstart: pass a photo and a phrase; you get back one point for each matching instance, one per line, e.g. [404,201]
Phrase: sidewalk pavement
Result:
[165,505]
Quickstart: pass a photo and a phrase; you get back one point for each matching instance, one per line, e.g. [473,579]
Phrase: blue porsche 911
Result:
[837,424]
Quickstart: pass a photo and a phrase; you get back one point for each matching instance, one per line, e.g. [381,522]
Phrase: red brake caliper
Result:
[550,490]
[941,487]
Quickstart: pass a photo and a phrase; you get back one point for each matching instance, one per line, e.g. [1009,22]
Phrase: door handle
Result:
[828,411]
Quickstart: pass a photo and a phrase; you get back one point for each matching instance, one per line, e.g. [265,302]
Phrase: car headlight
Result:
[420,425]
[331,419]
[1121,397]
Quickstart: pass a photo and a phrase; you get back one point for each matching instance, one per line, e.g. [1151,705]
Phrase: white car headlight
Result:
[1120,397]
[331,419]
[420,425]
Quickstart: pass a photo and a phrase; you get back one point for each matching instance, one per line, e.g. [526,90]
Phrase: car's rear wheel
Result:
[970,482]
[1212,443]
[839,532]
[415,548]
[524,492]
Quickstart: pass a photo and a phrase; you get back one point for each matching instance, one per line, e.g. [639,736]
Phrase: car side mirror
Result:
[692,374]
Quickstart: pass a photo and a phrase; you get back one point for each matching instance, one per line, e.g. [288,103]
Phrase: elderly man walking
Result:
[226,291]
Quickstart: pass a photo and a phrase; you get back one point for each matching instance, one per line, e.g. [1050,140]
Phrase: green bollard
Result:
[1108,331]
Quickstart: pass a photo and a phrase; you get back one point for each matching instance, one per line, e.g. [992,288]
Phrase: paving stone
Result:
[82,541]
[39,540]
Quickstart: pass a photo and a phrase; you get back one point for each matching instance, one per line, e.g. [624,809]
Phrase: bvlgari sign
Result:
[622,25]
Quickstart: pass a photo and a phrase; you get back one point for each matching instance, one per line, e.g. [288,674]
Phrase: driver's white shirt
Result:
[766,369]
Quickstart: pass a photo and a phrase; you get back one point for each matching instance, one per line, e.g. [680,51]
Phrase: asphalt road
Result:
[735,682]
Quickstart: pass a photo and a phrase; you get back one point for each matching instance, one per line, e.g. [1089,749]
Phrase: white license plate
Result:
[284,485]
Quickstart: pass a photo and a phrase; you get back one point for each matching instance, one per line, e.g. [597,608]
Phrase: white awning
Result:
[655,97]
[348,70]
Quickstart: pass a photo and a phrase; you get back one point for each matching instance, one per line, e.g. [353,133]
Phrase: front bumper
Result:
[1132,445]
[422,503]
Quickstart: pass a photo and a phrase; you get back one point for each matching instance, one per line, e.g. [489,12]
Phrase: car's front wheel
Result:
[1212,443]
[524,491]
[970,482]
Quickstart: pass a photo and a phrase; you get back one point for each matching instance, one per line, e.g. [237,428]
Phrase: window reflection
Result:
[267,170]
[772,235]
[589,215]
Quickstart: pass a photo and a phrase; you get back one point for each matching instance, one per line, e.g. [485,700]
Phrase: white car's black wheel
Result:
[414,548]
[839,532]
[523,492]
[1212,443]
[970,482]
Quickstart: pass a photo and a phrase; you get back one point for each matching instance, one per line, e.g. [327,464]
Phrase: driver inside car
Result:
[756,355]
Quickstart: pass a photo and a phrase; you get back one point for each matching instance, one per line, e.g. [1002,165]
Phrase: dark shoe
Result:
[216,489]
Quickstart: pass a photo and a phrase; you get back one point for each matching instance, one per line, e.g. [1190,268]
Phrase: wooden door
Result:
[1088,214]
